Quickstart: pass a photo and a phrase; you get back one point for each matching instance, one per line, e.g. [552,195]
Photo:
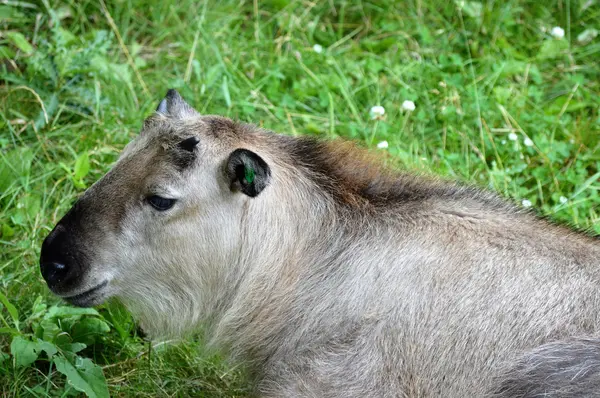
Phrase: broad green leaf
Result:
[64,341]
[82,166]
[84,376]
[8,13]
[26,351]
[64,311]
[75,347]
[11,309]
[87,330]
[7,231]
[48,347]
[19,41]
[49,330]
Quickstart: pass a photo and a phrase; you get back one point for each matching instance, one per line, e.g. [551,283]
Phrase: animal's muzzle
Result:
[58,260]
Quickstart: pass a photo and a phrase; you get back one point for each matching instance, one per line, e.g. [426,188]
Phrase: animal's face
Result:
[164,220]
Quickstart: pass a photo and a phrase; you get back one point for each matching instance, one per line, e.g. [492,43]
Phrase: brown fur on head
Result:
[165,219]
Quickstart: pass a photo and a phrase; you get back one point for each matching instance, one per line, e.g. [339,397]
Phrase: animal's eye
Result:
[160,203]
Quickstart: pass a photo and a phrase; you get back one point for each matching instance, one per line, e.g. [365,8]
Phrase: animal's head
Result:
[166,221]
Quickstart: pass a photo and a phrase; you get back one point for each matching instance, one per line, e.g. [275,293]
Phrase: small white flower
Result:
[503,142]
[563,200]
[526,203]
[513,137]
[408,106]
[527,141]
[557,32]
[382,145]
[318,48]
[377,111]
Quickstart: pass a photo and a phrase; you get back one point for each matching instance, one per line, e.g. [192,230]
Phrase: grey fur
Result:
[342,278]
[567,368]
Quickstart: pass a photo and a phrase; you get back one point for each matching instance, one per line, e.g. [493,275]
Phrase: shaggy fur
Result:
[341,278]
[567,368]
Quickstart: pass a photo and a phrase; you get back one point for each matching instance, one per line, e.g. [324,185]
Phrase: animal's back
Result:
[489,292]
[443,302]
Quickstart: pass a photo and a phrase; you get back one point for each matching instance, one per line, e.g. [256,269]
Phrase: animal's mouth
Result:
[88,298]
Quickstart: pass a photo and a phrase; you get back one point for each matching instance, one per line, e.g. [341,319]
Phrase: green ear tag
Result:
[249,175]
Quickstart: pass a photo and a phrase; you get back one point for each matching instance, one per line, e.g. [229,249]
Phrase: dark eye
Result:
[160,203]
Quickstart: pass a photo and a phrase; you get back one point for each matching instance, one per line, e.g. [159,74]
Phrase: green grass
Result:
[77,78]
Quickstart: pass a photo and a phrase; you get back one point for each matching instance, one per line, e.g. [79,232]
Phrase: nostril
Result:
[54,272]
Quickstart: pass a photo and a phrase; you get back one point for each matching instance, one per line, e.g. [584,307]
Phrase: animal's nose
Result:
[57,260]
[54,272]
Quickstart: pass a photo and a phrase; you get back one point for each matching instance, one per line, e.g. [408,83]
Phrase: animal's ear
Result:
[173,105]
[247,172]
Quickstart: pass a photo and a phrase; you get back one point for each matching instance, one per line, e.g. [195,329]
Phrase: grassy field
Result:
[502,99]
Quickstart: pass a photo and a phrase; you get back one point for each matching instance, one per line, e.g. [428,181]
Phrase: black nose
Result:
[54,273]
[58,260]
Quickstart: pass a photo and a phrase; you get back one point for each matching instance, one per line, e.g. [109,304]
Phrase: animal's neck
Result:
[276,254]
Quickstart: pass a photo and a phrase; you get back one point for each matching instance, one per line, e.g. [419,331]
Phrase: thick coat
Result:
[328,274]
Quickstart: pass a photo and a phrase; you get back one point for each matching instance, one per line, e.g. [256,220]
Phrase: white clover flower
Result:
[318,48]
[527,141]
[557,32]
[377,111]
[526,203]
[382,145]
[513,137]
[563,200]
[408,106]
